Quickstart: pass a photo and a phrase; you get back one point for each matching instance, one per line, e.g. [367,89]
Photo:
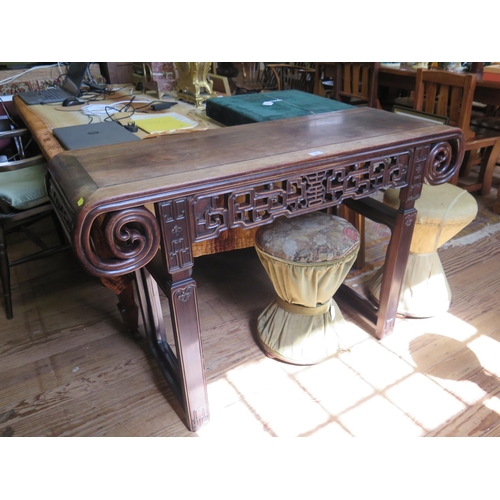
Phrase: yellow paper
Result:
[161,124]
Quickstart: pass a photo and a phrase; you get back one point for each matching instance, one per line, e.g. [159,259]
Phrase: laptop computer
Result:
[69,88]
[93,134]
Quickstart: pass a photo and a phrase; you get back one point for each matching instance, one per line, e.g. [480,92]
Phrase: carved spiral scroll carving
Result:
[131,237]
[440,163]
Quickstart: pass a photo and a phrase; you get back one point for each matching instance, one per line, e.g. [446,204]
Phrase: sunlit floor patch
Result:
[424,401]
[378,417]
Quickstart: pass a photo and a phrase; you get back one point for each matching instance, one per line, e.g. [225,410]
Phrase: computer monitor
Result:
[74,77]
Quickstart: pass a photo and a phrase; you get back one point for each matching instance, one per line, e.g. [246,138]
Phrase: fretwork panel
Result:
[249,206]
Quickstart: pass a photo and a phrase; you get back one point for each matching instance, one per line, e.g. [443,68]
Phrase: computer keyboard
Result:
[52,94]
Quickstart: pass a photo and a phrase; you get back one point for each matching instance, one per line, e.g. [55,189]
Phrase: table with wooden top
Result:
[202,185]
[42,119]
[404,78]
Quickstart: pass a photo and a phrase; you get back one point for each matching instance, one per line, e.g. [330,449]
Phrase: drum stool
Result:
[307,258]
[442,212]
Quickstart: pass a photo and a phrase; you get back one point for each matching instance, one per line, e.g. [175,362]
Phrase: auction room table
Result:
[206,183]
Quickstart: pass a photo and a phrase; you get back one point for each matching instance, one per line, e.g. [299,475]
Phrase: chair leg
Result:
[5,273]
[490,157]
[471,158]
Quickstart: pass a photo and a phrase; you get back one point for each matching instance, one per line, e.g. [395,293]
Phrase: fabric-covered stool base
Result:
[425,291]
[307,258]
[298,339]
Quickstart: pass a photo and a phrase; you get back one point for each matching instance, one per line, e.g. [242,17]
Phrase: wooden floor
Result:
[67,368]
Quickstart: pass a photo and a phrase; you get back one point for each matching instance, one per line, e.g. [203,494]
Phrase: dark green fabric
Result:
[250,108]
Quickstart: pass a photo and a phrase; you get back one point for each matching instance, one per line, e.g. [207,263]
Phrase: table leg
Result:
[186,372]
[358,221]
[394,269]
[129,310]
[401,223]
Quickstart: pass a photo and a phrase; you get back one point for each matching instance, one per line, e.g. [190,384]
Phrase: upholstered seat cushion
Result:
[308,239]
[24,188]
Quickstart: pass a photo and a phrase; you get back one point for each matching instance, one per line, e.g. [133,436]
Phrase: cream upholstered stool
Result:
[442,212]
[307,259]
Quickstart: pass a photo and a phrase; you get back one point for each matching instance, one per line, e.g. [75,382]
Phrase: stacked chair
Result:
[23,202]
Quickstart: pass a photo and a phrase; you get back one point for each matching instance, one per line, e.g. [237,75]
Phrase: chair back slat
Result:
[365,83]
[356,81]
[430,98]
[455,104]
[347,76]
[442,104]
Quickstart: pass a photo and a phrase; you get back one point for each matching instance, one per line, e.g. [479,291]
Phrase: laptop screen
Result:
[74,77]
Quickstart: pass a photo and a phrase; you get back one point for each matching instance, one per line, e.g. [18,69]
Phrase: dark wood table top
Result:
[175,165]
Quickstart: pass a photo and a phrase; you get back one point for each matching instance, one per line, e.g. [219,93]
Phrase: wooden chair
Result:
[254,77]
[23,201]
[356,83]
[443,93]
[293,77]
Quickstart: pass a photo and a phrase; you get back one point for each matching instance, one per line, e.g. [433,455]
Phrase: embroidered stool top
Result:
[308,239]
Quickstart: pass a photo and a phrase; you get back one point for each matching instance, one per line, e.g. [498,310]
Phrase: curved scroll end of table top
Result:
[444,160]
[117,243]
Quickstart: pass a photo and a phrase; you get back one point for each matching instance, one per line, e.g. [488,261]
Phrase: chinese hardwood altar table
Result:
[246,176]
